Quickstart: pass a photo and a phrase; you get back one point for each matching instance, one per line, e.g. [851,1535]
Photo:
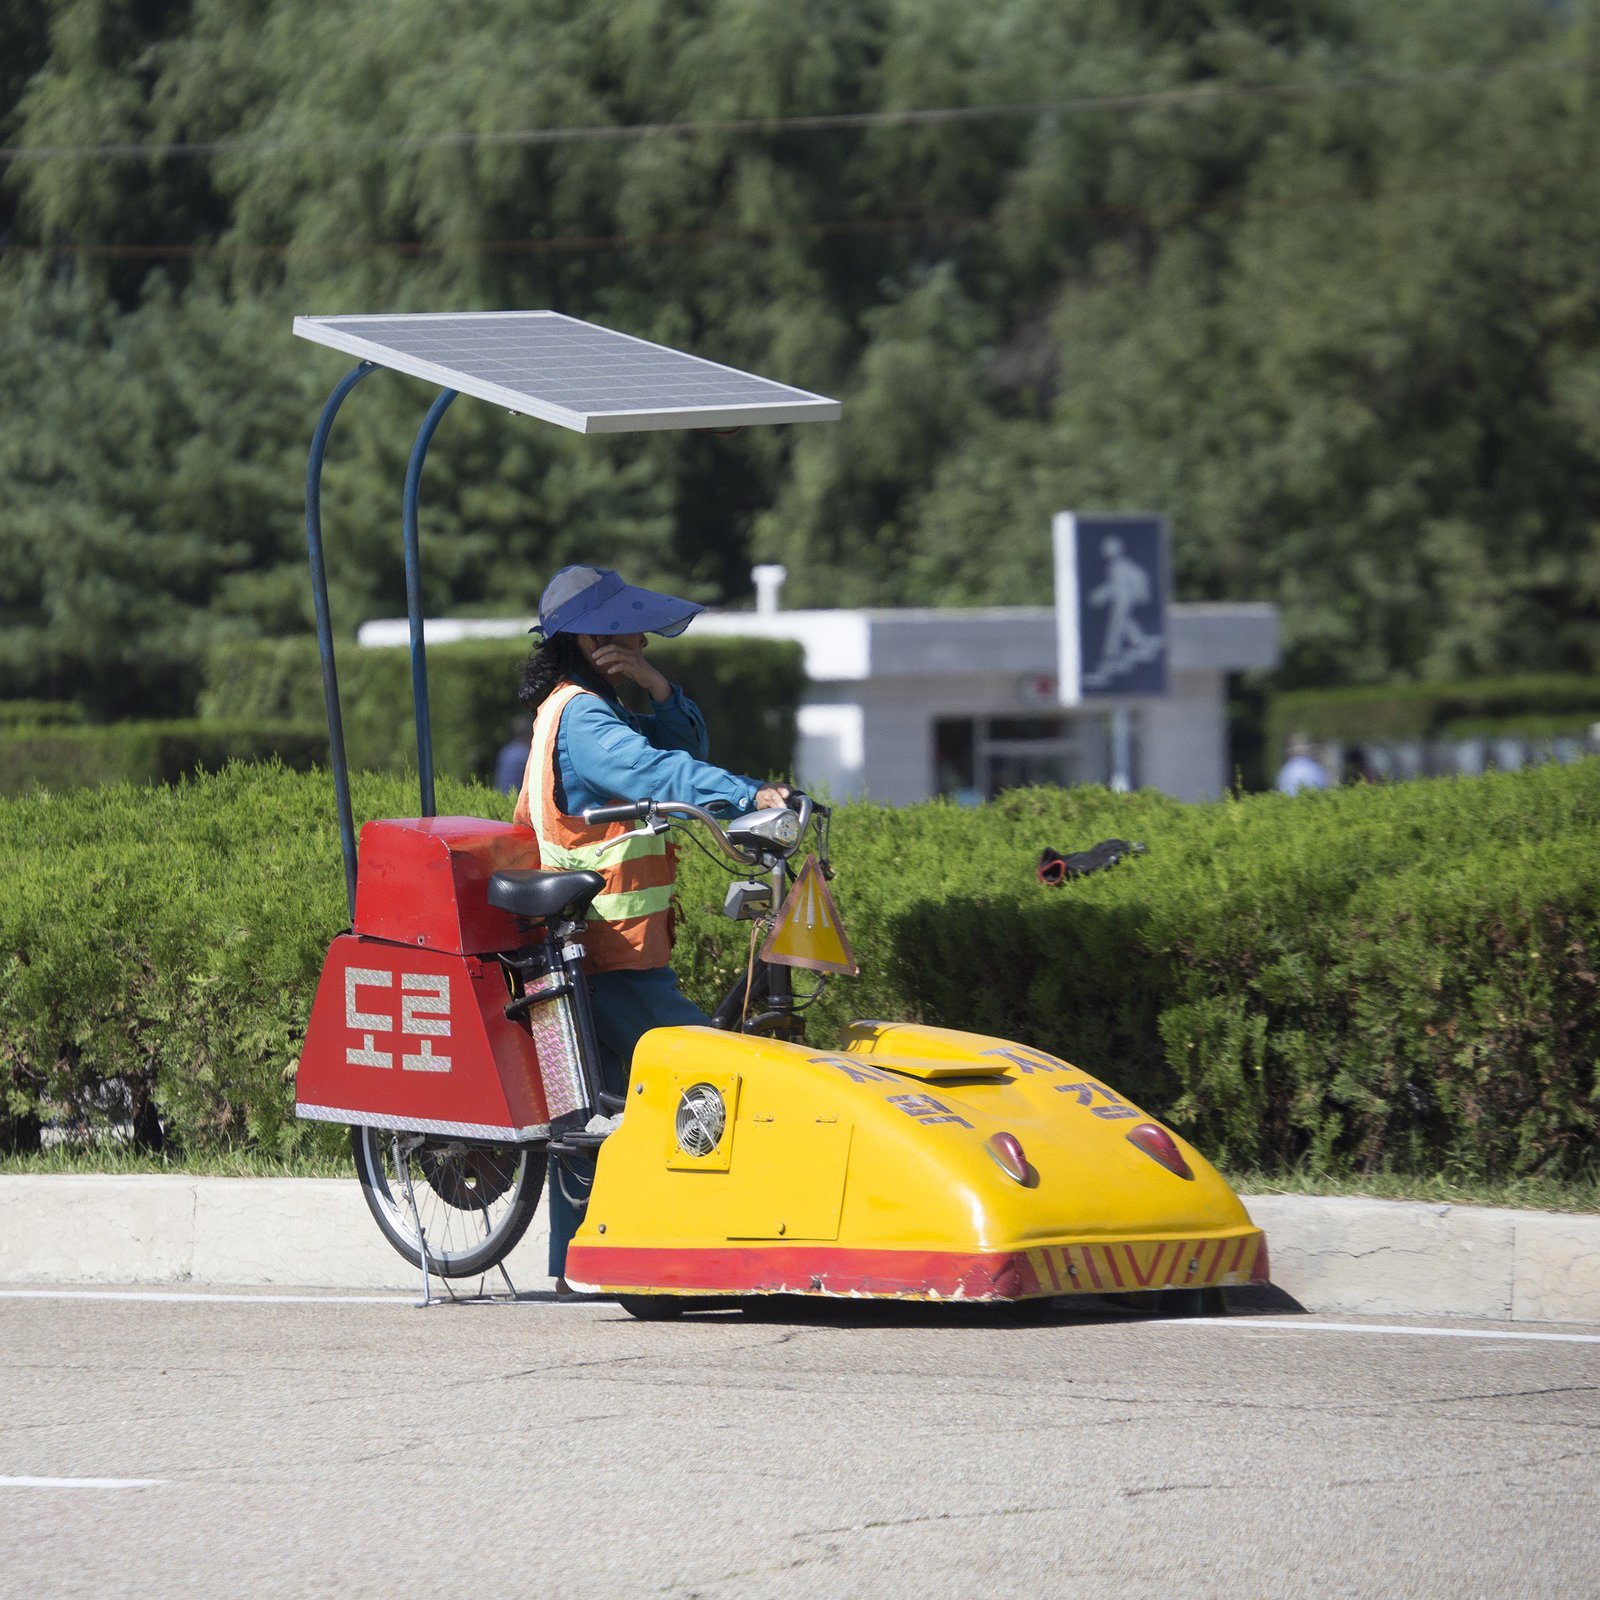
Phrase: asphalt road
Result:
[313,1446]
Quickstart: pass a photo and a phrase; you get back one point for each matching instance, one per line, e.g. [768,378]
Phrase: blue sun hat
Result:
[596,600]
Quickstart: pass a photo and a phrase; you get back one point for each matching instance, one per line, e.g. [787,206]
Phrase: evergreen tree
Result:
[1316,279]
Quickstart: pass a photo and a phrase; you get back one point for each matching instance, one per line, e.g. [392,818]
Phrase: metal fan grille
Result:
[702,1116]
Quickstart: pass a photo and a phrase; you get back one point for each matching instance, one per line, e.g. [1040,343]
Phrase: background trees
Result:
[1319,280]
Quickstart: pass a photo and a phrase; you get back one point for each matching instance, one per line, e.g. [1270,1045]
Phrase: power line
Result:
[579,244]
[925,117]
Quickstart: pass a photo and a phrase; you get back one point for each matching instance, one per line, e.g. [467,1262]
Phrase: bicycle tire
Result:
[475,1201]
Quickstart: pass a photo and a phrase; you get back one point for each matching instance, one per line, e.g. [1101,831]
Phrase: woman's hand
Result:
[772,795]
[619,658]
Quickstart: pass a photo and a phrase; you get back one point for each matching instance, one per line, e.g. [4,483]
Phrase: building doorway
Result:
[977,758]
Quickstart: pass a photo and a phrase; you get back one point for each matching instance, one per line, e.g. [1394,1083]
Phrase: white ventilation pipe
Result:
[768,579]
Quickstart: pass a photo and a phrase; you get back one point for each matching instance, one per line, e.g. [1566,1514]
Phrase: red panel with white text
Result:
[409,1037]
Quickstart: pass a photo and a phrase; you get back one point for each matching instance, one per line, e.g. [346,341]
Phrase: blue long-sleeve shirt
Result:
[605,753]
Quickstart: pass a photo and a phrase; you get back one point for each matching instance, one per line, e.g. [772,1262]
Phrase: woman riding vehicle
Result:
[590,750]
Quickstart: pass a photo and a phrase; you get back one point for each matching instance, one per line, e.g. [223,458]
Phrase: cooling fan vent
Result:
[702,1117]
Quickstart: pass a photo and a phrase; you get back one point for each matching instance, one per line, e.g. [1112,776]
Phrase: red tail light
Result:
[1006,1149]
[1160,1146]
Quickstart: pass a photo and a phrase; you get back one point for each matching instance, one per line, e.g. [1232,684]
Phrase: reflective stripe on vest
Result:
[613,906]
[631,926]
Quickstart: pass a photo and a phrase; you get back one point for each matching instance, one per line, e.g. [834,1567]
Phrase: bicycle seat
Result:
[543,896]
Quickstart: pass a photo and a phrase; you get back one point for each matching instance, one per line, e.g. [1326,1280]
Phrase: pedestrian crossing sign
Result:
[808,932]
[1112,585]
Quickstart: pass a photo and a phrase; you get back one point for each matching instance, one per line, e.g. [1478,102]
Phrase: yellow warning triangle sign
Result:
[808,932]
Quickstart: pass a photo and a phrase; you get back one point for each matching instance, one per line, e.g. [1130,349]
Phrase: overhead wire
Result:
[674,238]
[823,122]
[580,244]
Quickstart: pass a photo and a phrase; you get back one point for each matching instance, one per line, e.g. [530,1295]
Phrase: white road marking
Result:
[175,1297]
[1299,1325]
[81,1483]
[1278,1324]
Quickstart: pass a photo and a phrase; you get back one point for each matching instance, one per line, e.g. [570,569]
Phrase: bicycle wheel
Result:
[475,1201]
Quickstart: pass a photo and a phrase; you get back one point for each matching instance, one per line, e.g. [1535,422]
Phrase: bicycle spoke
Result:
[468,1198]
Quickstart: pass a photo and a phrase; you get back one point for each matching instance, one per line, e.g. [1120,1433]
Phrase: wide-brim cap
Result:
[596,600]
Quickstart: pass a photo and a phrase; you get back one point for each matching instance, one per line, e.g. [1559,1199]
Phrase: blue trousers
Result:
[627,1005]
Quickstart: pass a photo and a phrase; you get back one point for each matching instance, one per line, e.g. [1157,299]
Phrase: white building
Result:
[903,705]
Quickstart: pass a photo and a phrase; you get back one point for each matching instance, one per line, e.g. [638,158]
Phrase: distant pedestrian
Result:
[1358,767]
[512,761]
[1302,770]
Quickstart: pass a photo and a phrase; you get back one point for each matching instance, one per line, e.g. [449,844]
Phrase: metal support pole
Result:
[780,979]
[319,598]
[1122,750]
[583,1023]
[419,660]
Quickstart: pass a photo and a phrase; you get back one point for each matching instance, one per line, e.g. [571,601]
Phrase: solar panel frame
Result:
[788,403]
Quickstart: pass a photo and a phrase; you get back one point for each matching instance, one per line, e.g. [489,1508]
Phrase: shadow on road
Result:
[817,1311]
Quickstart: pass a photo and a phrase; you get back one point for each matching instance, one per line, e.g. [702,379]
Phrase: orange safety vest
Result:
[633,929]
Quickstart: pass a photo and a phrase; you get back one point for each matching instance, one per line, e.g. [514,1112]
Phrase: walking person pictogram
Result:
[1125,587]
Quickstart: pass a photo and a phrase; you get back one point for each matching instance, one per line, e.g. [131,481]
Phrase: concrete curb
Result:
[311,1233]
[1401,1258]
[1372,1257]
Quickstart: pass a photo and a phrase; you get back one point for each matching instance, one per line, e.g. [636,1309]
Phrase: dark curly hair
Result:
[555,661]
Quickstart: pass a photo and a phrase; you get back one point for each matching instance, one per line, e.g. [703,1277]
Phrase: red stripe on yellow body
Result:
[1041,1270]
[1089,1253]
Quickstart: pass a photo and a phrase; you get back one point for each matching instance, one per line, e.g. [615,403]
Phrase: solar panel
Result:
[573,373]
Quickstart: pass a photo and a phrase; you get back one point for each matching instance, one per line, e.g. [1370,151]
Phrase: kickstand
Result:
[511,1287]
[422,1238]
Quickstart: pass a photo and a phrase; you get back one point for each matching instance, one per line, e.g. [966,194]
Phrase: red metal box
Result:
[422,881]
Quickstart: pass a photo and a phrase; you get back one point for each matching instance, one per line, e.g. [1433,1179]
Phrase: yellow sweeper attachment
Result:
[913,1163]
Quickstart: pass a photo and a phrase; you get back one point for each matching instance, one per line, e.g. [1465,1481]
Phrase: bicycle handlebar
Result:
[644,810]
[803,805]
[628,811]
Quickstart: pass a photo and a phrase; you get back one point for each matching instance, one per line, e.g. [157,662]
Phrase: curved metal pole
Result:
[419,660]
[319,598]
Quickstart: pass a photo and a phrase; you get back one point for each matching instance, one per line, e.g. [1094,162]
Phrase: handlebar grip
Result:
[628,811]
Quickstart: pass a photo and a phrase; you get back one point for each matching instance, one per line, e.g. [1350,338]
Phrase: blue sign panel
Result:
[1111,606]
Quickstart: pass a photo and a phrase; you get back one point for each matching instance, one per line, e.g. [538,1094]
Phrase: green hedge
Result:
[40,713]
[749,690]
[1407,711]
[1396,976]
[1534,727]
[1384,977]
[67,757]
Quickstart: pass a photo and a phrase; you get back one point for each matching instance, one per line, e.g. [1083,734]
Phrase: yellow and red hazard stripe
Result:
[1117,1267]
[1132,1265]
